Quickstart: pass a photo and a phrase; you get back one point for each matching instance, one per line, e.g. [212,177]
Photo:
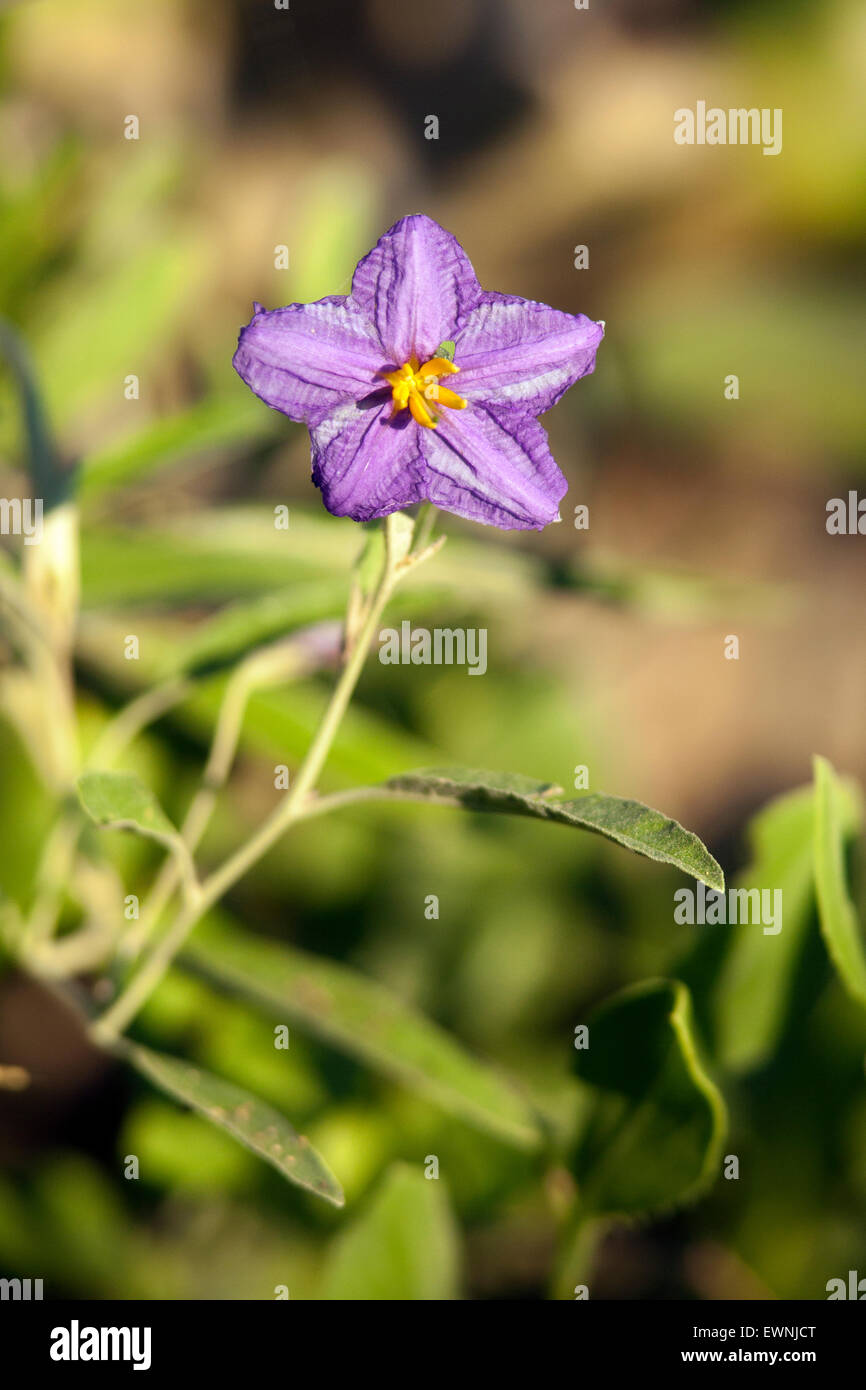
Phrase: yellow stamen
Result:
[449,398]
[437,366]
[417,386]
[420,411]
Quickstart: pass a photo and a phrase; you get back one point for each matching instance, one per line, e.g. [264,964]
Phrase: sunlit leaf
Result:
[363,1018]
[838,916]
[249,1120]
[403,1247]
[628,823]
[654,1135]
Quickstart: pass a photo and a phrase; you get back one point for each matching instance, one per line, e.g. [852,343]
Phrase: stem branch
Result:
[397,561]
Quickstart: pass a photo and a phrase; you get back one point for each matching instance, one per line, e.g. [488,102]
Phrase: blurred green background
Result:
[304,128]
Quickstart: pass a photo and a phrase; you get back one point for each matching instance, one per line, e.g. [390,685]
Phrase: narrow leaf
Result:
[363,1018]
[402,1248]
[628,823]
[837,914]
[654,1135]
[249,1120]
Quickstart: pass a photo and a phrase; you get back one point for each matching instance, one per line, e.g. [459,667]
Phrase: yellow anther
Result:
[417,386]
[437,366]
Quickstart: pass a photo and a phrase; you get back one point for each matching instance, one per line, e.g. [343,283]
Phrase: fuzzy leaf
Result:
[628,823]
[249,1120]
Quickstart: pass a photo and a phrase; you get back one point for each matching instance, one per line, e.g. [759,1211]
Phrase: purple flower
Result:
[365,373]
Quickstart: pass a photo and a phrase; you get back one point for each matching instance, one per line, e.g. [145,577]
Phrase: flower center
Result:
[417,387]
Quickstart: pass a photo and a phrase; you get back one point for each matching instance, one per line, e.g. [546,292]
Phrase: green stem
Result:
[127,1005]
[197,819]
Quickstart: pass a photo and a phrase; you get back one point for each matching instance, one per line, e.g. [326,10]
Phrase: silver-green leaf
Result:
[628,823]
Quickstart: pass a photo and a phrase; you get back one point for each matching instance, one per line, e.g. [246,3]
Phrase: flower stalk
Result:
[401,553]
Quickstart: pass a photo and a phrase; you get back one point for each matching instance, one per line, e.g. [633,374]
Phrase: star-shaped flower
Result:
[366,371]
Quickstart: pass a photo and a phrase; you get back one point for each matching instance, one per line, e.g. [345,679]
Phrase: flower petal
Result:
[367,464]
[518,352]
[497,470]
[308,359]
[417,285]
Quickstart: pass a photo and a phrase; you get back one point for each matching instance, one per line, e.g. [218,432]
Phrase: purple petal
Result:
[517,352]
[417,285]
[366,465]
[308,359]
[494,468]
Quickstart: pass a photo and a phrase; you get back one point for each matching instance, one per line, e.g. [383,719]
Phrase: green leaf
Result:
[838,916]
[628,823]
[753,992]
[121,801]
[753,989]
[654,1135]
[363,1018]
[249,1120]
[402,1248]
